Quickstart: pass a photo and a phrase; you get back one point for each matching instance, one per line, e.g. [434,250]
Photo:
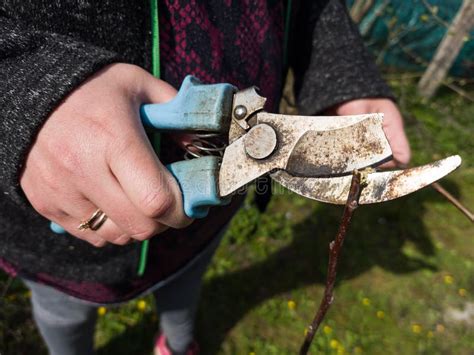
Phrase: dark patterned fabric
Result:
[237,42]
[47,48]
[224,41]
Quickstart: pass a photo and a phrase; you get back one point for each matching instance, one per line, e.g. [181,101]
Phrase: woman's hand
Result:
[92,152]
[392,125]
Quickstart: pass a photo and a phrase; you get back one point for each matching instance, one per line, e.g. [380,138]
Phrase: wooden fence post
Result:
[360,8]
[447,50]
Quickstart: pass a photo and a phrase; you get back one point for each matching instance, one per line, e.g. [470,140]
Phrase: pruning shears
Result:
[313,156]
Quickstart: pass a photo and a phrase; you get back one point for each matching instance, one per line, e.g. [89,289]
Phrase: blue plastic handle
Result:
[195,107]
[56,228]
[197,179]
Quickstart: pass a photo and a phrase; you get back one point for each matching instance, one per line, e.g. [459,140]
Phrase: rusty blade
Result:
[381,186]
[307,146]
[320,153]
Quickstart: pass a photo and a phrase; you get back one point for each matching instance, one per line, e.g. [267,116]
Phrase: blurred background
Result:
[406,275]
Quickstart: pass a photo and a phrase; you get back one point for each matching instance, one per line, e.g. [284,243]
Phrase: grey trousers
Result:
[67,324]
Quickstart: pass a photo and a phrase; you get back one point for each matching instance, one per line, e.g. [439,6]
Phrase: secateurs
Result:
[313,156]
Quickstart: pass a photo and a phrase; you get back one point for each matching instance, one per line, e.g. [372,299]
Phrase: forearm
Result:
[37,70]
[337,67]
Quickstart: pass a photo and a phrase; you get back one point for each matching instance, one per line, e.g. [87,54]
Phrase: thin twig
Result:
[334,250]
[453,200]
[431,9]
[458,90]
[6,287]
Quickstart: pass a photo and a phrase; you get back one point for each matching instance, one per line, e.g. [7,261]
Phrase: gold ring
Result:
[94,222]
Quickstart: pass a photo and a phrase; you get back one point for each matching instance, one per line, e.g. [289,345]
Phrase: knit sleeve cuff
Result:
[340,68]
[36,82]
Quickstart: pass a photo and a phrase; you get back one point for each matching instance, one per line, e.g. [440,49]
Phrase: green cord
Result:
[155,64]
[155,60]
[143,257]
[155,33]
[156,139]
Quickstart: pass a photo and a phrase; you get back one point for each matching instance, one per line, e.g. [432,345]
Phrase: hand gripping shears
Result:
[313,156]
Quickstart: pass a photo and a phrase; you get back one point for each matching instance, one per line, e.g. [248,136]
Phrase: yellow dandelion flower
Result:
[327,330]
[380,314]
[334,344]
[440,328]
[358,350]
[28,294]
[366,301]
[141,305]
[462,292]
[252,353]
[341,350]
[101,311]
[416,328]
[430,334]
[448,279]
[291,305]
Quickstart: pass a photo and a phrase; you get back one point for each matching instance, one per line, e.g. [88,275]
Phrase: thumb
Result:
[157,91]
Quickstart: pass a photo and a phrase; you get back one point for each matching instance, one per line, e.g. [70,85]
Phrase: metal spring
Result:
[205,144]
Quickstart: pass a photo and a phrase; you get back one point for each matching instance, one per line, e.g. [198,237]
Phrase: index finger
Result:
[147,183]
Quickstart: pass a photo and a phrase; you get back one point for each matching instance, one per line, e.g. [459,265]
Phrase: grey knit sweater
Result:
[47,48]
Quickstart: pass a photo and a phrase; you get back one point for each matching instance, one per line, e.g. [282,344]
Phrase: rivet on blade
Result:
[240,112]
[260,141]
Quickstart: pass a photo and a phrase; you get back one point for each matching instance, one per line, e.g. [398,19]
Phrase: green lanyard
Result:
[156,139]
[155,65]
[155,35]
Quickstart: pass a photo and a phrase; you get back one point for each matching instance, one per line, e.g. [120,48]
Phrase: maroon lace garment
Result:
[239,42]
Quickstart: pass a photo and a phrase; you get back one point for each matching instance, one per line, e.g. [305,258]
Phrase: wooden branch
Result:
[447,50]
[334,251]
[459,91]
[434,14]
[453,200]
[6,287]
[359,9]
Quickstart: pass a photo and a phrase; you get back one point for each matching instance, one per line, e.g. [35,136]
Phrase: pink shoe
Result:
[161,348]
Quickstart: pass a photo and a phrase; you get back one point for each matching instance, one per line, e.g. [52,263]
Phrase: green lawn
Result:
[405,282]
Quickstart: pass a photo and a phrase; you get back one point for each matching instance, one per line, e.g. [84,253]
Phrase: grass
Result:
[406,268]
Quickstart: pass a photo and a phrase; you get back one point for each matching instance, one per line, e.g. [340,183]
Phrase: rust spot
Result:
[323,153]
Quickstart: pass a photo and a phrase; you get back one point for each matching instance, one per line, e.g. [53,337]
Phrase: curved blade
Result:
[308,146]
[319,153]
[381,186]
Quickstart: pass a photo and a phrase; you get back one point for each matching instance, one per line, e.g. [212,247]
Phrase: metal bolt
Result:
[240,112]
[260,141]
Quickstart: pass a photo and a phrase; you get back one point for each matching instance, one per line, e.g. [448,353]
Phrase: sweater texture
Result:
[48,48]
